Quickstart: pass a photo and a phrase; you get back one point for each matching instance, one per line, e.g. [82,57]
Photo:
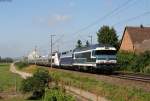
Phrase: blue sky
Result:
[26,23]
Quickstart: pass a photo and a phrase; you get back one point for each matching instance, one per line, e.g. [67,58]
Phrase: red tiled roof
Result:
[138,34]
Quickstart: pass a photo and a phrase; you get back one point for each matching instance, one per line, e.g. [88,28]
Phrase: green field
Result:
[8,79]
[8,83]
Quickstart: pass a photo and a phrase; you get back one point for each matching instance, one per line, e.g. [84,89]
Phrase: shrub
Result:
[133,62]
[142,62]
[125,60]
[57,94]
[37,83]
[21,65]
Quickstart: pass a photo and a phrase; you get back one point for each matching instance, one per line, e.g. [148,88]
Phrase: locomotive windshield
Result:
[105,52]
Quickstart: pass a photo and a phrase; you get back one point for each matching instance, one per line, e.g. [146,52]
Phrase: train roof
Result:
[66,54]
[94,46]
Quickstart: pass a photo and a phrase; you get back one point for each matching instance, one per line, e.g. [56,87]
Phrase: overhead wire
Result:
[99,19]
[118,11]
[115,11]
[132,18]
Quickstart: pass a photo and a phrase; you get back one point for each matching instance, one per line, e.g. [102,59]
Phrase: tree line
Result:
[6,60]
[105,35]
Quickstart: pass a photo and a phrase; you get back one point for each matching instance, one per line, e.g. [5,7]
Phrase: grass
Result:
[30,69]
[57,94]
[112,92]
[8,79]
[21,65]
[7,84]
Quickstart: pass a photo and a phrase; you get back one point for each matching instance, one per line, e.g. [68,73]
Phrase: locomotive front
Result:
[105,58]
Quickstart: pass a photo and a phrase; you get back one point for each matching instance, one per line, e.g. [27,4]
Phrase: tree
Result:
[87,43]
[36,84]
[107,35]
[79,44]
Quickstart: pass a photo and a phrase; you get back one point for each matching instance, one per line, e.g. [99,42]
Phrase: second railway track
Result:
[132,76]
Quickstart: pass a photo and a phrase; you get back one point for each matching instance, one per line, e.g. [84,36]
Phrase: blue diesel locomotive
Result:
[98,57]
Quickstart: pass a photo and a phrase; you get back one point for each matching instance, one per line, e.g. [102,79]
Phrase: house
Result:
[135,39]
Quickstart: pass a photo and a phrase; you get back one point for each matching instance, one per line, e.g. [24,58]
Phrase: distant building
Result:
[33,55]
[135,39]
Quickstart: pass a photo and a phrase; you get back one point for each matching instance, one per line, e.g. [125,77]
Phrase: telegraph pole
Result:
[35,49]
[91,38]
[51,48]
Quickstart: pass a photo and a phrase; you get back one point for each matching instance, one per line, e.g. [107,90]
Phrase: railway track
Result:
[124,75]
[128,76]
[132,76]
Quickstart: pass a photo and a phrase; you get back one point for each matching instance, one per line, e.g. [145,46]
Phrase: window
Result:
[105,52]
[83,55]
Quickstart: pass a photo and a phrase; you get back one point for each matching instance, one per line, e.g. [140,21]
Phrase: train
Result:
[94,58]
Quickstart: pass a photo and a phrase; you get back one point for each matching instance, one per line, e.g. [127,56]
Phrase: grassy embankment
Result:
[54,93]
[23,66]
[7,85]
[112,92]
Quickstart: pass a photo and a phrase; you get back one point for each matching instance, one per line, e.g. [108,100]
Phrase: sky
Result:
[25,24]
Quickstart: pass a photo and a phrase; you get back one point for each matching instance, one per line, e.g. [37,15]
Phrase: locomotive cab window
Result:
[104,52]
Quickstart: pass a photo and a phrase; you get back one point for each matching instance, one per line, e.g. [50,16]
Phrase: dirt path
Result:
[79,93]
[22,74]
[85,94]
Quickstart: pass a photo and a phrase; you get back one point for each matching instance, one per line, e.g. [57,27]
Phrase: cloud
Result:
[62,17]
[58,19]
[52,20]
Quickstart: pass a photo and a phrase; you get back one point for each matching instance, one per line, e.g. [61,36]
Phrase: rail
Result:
[132,76]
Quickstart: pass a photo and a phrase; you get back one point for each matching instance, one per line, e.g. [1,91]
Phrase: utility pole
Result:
[35,49]
[51,48]
[91,38]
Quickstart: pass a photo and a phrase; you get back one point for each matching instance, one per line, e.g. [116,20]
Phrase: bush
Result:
[133,62]
[56,94]
[125,60]
[37,83]
[21,65]
[142,62]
